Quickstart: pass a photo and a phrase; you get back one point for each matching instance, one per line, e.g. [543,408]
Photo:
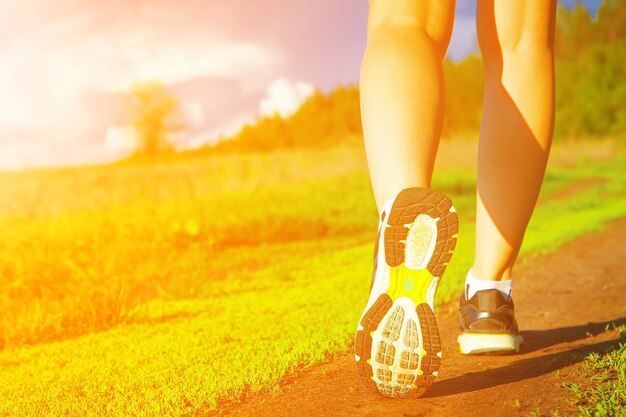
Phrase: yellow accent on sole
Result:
[405,282]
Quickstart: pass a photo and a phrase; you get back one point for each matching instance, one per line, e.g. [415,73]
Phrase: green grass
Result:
[604,393]
[167,302]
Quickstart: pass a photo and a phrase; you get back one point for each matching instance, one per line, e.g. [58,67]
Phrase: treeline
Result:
[321,121]
[591,71]
[591,92]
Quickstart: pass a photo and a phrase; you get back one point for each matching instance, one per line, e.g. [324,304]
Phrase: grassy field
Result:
[164,288]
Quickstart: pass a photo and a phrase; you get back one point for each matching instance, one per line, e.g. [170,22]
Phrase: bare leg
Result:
[516,40]
[402,91]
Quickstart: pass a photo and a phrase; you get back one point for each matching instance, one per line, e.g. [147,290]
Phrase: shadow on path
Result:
[535,366]
[535,340]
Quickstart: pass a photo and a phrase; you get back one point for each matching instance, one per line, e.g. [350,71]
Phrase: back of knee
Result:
[525,31]
[426,20]
[523,52]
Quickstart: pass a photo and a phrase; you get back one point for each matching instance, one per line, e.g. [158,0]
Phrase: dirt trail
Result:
[573,189]
[564,302]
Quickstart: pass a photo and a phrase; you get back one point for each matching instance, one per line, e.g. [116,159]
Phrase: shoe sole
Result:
[397,344]
[478,344]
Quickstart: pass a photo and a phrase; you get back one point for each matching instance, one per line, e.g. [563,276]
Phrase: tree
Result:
[590,56]
[153,115]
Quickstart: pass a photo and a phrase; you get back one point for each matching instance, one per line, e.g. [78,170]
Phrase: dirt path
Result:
[564,302]
[573,189]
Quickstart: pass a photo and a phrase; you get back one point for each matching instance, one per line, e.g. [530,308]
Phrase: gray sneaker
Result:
[487,321]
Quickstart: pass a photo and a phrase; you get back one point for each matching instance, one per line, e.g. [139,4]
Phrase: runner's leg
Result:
[402,91]
[516,40]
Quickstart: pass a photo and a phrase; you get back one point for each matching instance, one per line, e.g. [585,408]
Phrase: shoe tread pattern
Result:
[363,339]
[410,203]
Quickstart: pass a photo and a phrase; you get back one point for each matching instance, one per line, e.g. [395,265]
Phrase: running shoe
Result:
[397,344]
[487,321]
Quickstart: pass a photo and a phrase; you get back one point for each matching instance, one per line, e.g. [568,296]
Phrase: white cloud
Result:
[143,56]
[284,97]
[12,155]
[47,70]
[121,141]
[194,113]
[229,128]
[58,76]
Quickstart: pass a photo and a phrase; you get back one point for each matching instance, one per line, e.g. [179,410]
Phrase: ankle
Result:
[474,284]
[491,273]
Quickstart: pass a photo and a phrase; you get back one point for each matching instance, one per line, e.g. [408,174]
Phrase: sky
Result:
[66,67]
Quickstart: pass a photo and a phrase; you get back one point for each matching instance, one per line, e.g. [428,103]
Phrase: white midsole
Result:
[472,343]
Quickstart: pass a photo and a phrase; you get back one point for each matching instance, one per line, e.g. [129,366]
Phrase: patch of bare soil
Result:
[564,302]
